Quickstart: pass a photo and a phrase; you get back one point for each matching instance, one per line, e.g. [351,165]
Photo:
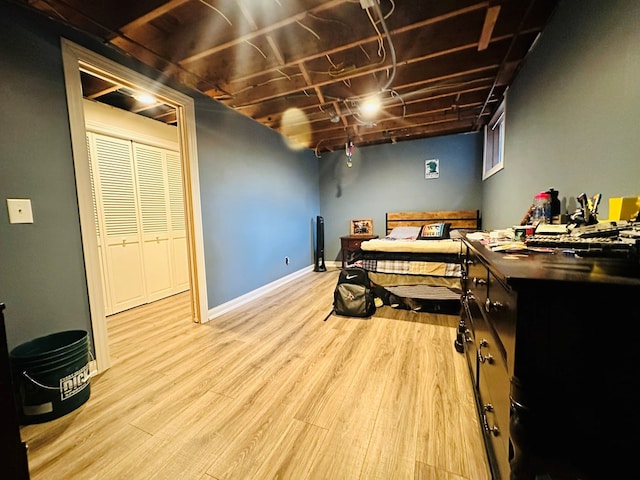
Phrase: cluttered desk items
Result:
[582,234]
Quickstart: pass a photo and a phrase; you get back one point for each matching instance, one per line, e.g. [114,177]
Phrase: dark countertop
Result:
[527,266]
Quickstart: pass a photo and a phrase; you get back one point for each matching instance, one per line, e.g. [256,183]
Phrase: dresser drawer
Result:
[470,311]
[354,244]
[477,278]
[493,390]
[500,308]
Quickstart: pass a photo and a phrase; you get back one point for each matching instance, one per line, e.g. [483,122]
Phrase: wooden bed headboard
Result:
[467,219]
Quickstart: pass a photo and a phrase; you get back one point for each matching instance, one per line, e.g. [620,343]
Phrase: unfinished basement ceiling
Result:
[303,67]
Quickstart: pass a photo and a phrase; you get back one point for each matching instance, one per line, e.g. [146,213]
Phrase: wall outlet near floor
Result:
[286,260]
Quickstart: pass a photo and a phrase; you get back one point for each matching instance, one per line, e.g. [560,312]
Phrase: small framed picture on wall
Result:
[432,168]
[361,226]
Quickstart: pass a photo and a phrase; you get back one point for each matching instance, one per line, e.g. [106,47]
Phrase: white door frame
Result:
[74,57]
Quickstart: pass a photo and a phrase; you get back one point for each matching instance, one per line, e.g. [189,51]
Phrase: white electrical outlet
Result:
[19,210]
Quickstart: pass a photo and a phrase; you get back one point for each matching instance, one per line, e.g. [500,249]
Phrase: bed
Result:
[422,254]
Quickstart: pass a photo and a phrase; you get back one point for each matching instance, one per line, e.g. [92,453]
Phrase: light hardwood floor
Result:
[271,391]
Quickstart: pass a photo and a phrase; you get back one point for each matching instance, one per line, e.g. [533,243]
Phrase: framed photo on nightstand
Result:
[361,226]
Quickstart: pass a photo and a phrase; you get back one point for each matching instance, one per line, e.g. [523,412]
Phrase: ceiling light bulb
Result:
[370,106]
[145,98]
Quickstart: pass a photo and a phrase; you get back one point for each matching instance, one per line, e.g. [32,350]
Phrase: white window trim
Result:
[493,159]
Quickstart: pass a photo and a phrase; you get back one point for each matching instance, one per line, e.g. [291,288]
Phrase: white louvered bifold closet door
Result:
[93,172]
[154,214]
[140,221]
[115,189]
[178,232]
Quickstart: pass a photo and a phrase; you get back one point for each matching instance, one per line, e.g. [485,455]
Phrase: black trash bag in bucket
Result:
[51,375]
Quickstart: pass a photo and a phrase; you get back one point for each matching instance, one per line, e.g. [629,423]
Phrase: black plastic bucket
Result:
[51,375]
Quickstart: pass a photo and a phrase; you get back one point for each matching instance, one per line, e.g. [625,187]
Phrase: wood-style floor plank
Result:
[271,391]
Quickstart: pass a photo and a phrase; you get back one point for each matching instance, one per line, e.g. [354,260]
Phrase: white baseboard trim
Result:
[93,368]
[254,294]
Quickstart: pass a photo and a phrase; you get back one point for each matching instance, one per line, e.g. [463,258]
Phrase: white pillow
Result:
[404,233]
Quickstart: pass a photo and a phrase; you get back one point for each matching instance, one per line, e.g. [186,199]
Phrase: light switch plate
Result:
[19,210]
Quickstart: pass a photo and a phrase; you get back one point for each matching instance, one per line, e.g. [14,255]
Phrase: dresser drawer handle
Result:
[484,343]
[490,306]
[479,281]
[488,408]
[486,358]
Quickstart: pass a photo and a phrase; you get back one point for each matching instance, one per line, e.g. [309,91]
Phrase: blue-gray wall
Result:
[258,197]
[42,276]
[573,113]
[391,178]
[258,201]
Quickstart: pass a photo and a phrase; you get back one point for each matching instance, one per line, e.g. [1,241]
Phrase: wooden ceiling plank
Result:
[260,32]
[374,39]
[103,92]
[151,15]
[440,78]
[433,80]
[348,77]
[490,20]
[343,117]
[307,79]
[518,31]
[440,87]
[416,93]
[247,15]
[276,51]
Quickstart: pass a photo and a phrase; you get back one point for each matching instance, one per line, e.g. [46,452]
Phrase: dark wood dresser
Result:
[551,345]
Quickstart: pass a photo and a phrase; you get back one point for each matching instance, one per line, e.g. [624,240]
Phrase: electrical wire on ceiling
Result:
[375,27]
[356,101]
[207,4]
[266,82]
[315,150]
[309,29]
[328,20]
[392,49]
[341,69]
[256,47]
[404,105]
[336,72]
[288,77]
[393,7]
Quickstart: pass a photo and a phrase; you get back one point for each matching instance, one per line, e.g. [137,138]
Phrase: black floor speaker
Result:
[319,253]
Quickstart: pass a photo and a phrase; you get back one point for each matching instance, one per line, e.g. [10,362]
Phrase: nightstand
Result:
[351,243]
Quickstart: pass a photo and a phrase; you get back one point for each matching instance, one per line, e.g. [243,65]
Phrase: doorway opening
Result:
[78,61]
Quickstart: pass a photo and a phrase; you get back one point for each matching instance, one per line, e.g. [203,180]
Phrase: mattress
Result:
[448,246]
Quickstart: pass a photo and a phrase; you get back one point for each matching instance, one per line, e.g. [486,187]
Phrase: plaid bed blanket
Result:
[405,267]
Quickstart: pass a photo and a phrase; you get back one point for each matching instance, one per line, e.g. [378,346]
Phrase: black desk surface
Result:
[526,266]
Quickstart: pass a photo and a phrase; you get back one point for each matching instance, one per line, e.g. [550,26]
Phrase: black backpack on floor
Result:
[353,296]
